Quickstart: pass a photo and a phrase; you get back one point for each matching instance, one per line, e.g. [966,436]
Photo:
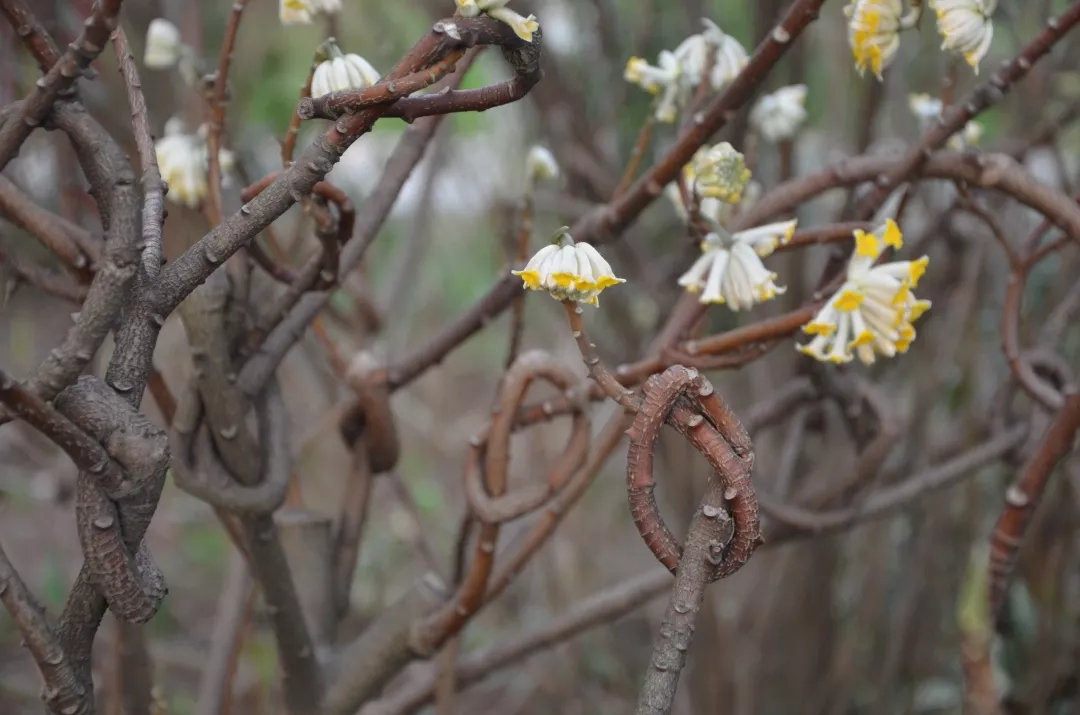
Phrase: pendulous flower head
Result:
[540,165]
[164,46]
[342,73]
[778,116]
[966,27]
[874,33]
[928,109]
[523,27]
[664,78]
[718,172]
[874,311]
[568,270]
[183,160]
[678,73]
[730,270]
[302,12]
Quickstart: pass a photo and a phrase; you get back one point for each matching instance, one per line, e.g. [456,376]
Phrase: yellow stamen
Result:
[893,237]
[866,244]
[848,301]
[918,268]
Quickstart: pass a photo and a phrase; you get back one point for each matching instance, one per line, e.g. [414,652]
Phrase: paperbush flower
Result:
[718,172]
[302,12]
[163,45]
[342,73]
[730,270]
[678,73]
[874,33]
[568,270]
[965,27]
[874,311]
[540,165]
[183,160]
[778,116]
[523,27]
[928,109]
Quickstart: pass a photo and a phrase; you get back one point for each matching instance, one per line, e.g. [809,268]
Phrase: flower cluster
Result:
[568,270]
[718,172]
[341,73]
[540,165]
[523,27]
[730,270]
[874,28]
[165,49]
[966,27]
[928,109]
[874,311]
[303,12]
[778,116]
[678,73]
[184,159]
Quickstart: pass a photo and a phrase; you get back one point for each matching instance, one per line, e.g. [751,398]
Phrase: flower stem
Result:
[600,374]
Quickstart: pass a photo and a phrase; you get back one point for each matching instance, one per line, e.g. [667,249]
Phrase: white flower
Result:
[928,109]
[730,269]
[778,116]
[965,27]
[925,108]
[968,137]
[874,33]
[523,27]
[183,160]
[716,211]
[678,73]
[663,78]
[718,172]
[302,12]
[568,271]
[540,165]
[163,45]
[874,310]
[342,73]
[731,57]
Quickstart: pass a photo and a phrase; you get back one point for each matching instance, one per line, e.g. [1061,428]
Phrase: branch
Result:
[65,240]
[33,110]
[1024,495]
[33,35]
[153,212]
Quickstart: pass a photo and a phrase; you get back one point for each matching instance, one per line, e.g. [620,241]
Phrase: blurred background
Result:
[866,621]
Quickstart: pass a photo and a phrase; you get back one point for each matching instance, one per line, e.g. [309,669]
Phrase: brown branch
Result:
[63,690]
[32,111]
[599,609]
[1024,495]
[153,211]
[218,100]
[600,375]
[62,238]
[33,35]
[957,116]
[59,284]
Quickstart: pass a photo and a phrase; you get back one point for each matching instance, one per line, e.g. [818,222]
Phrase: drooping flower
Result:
[540,165]
[874,33]
[874,311]
[778,116]
[730,270]
[718,172]
[678,73]
[523,27]
[183,160]
[966,27]
[341,73]
[568,270]
[302,12]
[928,109]
[665,78]
[163,45]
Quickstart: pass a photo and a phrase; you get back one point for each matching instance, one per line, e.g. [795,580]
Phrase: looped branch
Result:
[488,458]
[369,418]
[198,470]
[112,518]
[463,33]
[683,398]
